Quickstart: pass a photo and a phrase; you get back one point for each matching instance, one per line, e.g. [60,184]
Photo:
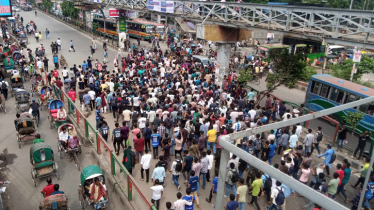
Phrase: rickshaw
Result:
[42,161]
[22,100]
[31,116]
[8,61]
[16,56]
[26,130]
[87,176]
[16,82]
[55,202]
[2,103]
[53,107]
[43,96]
[73,153]
[37,83]
[23,40]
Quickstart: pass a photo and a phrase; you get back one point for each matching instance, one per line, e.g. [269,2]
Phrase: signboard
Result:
[356,56]
[121,13]
[122,38]
[122,24]
[263,48]
[161,6]
[39,1]
[5,8]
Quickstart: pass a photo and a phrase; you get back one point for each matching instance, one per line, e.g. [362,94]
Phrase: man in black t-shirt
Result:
[117,138]
[187,165]
[162,162]
[361,144]
[342,137]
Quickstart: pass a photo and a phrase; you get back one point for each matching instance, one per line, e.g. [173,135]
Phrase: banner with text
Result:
[122,24]
[161,6]
[5,9]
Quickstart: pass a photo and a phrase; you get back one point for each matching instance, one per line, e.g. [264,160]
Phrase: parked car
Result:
[15,8]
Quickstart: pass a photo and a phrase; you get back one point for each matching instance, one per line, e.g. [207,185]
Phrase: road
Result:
[19,158]
[21,193]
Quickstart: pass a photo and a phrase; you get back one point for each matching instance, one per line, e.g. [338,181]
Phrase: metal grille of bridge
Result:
[338,26]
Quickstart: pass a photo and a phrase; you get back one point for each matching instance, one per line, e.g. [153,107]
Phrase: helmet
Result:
[33,100]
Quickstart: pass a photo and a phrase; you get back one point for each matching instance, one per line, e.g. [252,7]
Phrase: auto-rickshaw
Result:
[26,130]
[88,176]
[16,82]
[54,202]
[8,61]
[72,152]
[23,40]
[53,107]
[16,56]
[42,161]
[22,100]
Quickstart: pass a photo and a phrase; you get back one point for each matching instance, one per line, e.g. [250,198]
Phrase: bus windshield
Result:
[150,29]
[160,29]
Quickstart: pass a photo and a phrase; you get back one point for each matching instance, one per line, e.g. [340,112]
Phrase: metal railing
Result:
[125,182]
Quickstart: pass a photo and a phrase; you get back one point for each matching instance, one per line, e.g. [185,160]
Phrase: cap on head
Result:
[33,100]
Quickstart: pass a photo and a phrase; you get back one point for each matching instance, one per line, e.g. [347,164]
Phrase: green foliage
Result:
[307,74]
[47,5]
[68,9]
[353,118]
[289,68]
[245,76]
[95,26]
[343,70]
[32,2]
[365,83]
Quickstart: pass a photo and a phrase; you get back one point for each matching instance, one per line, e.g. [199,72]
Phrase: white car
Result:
[16,9]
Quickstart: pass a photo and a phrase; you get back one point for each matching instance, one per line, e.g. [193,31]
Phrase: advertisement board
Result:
[122,38]
[39,1]
[121,13]
[122,24]
[5,8]
[161,6]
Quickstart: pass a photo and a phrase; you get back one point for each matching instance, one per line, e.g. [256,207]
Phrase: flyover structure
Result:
[333,26]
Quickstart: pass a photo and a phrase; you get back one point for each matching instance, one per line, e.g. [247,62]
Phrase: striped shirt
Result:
[161,130]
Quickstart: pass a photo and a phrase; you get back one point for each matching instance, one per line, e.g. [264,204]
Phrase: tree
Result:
[353,118]
[344,70]
[47,5]
[68,9]
[245,75]
[288,70]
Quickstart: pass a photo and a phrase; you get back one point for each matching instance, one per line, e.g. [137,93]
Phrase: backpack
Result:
[168,123]
[279,200]
[4,86]
[113,102]
[319,137]
[234,177]
[178,167]
[369,192]
[268,182]
[333,157]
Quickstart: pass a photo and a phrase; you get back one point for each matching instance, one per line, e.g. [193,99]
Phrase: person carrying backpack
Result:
[231,179]
[278,196]
[176,169]
[4,89]
[330,157]
[317,139]
[268,182]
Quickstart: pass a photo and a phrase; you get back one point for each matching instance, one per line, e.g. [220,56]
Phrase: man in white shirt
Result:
[91,93]
[127,116]
[157,193]
[39,64]
[65,73]
[180,204]
[274,194]
[142,122]
[146,159]
[210,157]
[59,43]
[63,137]
[151,116]
[111,86]
[234,115]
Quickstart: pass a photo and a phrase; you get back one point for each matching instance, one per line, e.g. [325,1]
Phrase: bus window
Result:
[363,108]
[350,98]
[340,97]
[150,29]
[316,87]
[334,94]
[325,91]
[370,109]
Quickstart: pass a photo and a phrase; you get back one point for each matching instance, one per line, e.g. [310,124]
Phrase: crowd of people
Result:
[169,108]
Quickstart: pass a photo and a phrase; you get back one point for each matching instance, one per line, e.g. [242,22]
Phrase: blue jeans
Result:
[198,187]
[213,144]
[241,205]
[366,204]
[306,149]
[172,147]
[240,174]
[340,143]
[232,187]
[196,137]
[204,179]
[47,36]
[341,189]
[97,123]
[175,180]
[270,160]
[168,131]
[273,206]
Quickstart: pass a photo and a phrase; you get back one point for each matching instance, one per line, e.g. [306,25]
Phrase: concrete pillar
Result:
[158,18]
[223,62]
[221,188]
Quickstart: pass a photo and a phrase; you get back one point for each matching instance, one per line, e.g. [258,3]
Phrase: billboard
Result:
[5,8]
[161,6]
[122,24]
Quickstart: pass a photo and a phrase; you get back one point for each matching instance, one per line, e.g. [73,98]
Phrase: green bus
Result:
[268,51]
